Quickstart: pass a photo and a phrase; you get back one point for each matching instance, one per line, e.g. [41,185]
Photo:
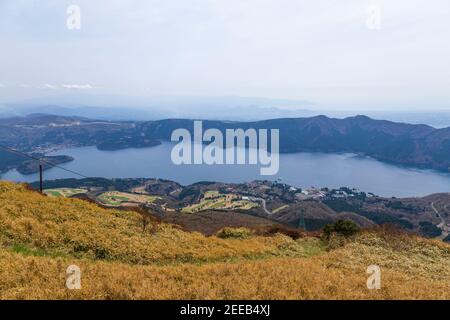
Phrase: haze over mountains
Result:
[235,108]
[116,107]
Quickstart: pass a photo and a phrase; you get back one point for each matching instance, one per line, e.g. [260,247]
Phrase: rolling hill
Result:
[120,259]
[203,206]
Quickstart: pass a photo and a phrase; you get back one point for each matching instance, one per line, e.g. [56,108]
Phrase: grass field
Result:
[116,199]
[64,192]
[41,236]
[214,200]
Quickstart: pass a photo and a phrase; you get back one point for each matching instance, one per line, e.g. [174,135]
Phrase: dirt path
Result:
[265,208]
[442,225]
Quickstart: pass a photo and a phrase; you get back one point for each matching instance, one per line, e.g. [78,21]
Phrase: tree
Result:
[345,228]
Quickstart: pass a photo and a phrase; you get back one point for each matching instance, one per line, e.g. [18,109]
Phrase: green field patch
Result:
[64,192]
[115,199]
[280,208]
[211,194]
[214,200]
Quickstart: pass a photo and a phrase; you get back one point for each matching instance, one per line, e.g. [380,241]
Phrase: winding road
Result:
[442,225]
[263,202]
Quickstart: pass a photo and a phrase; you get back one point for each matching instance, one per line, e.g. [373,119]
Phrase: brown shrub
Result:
[272,230]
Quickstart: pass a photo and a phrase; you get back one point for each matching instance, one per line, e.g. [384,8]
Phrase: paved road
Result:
[263,201]
[442,225]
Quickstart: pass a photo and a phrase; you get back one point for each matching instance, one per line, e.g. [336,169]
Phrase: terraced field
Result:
[64,192]
[116,199]
[214,200]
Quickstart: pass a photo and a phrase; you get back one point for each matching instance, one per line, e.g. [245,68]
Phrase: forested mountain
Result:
[405,144]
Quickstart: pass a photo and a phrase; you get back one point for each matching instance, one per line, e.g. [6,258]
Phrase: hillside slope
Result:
[40,237]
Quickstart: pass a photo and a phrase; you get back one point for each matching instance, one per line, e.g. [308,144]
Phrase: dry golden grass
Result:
[41,237]
[72,227]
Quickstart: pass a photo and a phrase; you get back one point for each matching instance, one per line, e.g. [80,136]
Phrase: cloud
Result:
[50,86]
[320,50]
[2,85]
[78,86]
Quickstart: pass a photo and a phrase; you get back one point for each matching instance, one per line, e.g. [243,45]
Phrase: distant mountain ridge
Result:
[420,146]
[406,144]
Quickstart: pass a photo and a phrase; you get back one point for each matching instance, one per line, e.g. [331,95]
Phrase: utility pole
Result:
[301,221]
[40,176]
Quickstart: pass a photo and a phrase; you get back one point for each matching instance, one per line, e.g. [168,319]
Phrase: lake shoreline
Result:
[298,169]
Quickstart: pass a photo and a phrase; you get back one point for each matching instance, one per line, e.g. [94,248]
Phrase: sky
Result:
[336,54]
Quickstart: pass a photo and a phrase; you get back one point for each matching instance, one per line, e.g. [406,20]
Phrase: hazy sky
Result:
[321,51]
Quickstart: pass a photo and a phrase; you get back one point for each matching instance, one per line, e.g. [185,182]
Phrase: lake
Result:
[298,169]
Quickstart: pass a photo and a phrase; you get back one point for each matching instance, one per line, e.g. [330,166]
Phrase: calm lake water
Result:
[299,169]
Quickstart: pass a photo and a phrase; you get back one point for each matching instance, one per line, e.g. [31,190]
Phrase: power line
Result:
[41,160]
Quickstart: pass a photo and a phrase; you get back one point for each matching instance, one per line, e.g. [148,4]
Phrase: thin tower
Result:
[40,177]
[301,220]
